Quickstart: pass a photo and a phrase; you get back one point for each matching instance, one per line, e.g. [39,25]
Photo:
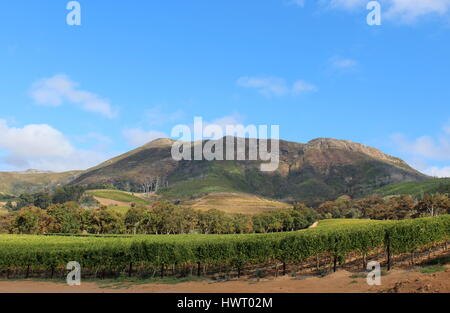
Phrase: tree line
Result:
[64,211]
[388,208]
[162,218]
[45,199]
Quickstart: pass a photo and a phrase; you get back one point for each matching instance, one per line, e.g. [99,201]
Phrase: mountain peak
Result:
[160,142]
[34,171]
[330,143]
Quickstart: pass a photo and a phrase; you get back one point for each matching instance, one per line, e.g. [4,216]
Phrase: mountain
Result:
[33,181]
[319,170]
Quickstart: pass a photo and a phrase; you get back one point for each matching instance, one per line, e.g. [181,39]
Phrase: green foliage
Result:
[68,194]
[417,189]
[68,218]
[335,238]
[433,269]
[105,221]
[44,199]
[390,208]
[4,197]
[30,220]
[88,201]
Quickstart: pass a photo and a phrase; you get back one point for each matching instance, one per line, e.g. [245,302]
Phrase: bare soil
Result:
[109,202]
[398,281]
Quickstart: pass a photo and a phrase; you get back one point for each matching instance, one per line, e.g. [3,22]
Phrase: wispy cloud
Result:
[345,4]
[303,87]
[300,3]
[410,10]
[425,150]
[425,146]
[59,89]
[156,116]
[41,146]
[137,137]
[275,86]
[438,171]
[220,125]
[340,63]
[224,121]
[405,11]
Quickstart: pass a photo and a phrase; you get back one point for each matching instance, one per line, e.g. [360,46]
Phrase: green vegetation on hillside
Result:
[235,203]
[44,199]
[117,195]
[311,173]
[219,176]
[16,183]
[417,189]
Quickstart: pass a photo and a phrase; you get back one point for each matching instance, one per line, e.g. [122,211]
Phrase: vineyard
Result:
[23,256]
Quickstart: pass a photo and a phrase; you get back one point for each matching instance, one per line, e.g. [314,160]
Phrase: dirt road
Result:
[341,281]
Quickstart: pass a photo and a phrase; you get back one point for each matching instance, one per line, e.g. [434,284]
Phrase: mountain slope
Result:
[437,185]
[319,170]
[33,181]
[235,203]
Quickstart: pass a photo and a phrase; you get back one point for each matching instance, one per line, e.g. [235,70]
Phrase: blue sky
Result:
[72,96]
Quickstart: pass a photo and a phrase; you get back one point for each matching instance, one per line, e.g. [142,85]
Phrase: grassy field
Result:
[441,185]
[121,209]
[117,195]
[3,211]
[332,223]
[235,203]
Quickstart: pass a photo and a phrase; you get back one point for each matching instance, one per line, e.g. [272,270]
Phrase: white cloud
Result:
[268,86]
[40,146]
[410,10]
[425,150]
[347,4]
[56,90]
[405,11]
[447,130]
[38,140]
[96,141]
[438,171]
[138,137]
[300,3]
[275,86]
[233,119]
[424,147]
[343,63]
[302,86]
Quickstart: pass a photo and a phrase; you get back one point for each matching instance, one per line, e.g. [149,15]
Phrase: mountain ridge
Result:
[321,168]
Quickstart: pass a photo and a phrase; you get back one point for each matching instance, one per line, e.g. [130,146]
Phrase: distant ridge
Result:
[319,170]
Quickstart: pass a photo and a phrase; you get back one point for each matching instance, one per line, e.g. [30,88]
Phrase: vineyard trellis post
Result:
[388,252]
